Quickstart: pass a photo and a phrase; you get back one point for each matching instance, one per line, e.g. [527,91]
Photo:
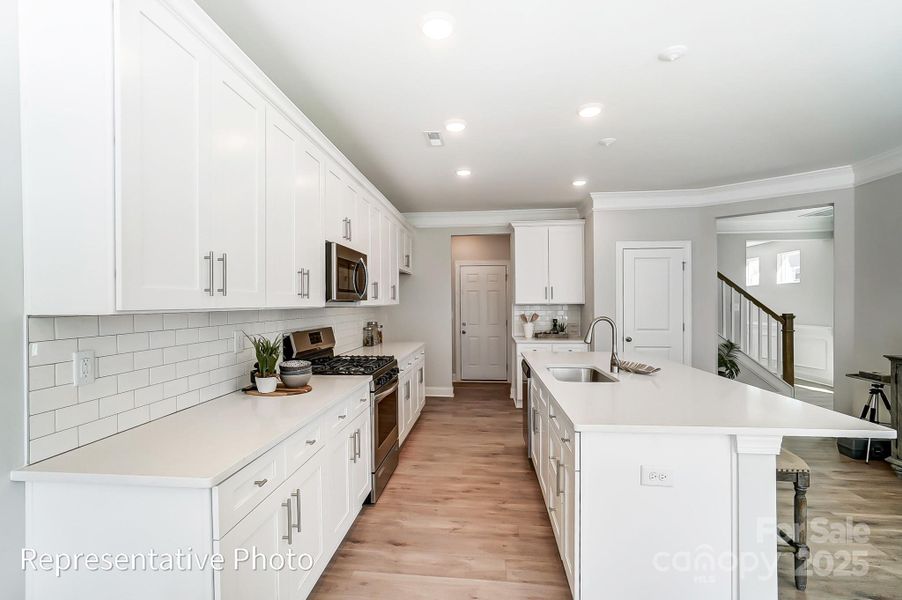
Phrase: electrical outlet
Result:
[657,476]
[83,367]
[238,341]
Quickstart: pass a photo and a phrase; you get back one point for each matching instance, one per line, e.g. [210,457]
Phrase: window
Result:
[789,267]
[752,271]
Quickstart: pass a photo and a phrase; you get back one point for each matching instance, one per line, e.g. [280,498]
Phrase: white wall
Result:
[12,342]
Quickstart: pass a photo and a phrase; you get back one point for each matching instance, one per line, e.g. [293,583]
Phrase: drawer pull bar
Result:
[287,505]
[340,417]
[565,440]
[260,482]
[296,494]
[311,442]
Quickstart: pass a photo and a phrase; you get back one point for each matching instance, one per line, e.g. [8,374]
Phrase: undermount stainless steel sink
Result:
[581,375]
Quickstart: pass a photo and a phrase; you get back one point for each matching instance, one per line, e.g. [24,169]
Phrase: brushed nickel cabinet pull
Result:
[311,442]
[552,292]
[358,443]
[560,487]
[260,482]
[209,288]
[301,283]
[296,494]
[224,290]
[353,438]
[287,505]
[340,417]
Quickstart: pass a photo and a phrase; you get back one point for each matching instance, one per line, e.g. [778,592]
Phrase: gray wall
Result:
[811,300]
[12,321]
[878,275]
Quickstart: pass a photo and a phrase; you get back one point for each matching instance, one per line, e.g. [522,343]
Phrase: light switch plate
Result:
[657,476]
[83,367]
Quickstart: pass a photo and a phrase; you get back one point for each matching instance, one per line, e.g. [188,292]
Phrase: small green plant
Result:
[268,352]
[726,360]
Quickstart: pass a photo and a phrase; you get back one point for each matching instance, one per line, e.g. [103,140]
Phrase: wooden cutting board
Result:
[281,390]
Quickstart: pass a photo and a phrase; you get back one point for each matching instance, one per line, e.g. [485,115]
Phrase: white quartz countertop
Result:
[570,339]
[199,447]
[397,349]
[681,399]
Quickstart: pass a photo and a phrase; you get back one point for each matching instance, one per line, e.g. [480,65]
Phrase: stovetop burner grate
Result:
[350,365]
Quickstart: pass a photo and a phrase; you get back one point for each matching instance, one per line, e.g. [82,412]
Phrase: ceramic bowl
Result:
[295,380]
[295,366]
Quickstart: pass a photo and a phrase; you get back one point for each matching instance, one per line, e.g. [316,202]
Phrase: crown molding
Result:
[776,225]
[835,178]
[879,166]
[487,218]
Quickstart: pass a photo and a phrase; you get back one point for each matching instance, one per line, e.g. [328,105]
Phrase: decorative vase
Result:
[266,385]
[529,330]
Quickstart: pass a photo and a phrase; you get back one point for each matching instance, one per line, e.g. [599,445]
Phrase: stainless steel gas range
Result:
[318,346]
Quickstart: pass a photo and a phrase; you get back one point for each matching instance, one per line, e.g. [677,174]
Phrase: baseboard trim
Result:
[440,392]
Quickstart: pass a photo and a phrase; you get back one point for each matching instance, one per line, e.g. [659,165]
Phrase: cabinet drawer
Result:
[358,403]
[239,494]
[522,348]
[302,445]
[568,348]
[337,417]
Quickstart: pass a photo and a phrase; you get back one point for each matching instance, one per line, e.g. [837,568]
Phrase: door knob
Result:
[629,339]
[464,332]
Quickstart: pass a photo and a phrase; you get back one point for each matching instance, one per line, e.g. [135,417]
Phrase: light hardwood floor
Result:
[463,517]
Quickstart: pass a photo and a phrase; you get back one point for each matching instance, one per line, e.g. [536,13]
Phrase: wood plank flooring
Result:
[463,517]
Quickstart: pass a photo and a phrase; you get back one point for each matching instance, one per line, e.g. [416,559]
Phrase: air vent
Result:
[435,138]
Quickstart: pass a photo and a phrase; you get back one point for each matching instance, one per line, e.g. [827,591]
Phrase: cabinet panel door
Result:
[535,439]
[306,496]
[362,471]
[403,405]
[553,489]
[360,223]
[163,205]
[568,512]
[395,262]
[336,217]
[531,265]
[375,258]
[421,384]
[294,240]
[339,453]
[565,264]
[238,187]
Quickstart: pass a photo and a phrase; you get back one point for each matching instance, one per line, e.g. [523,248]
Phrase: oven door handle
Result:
[361,291]
[388,392]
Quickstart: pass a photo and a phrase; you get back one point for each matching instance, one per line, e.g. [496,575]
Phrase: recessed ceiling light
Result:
[608,141]
[463,172]
[455,125]
[579,182]
[587,111]
[438,26]
[672,53]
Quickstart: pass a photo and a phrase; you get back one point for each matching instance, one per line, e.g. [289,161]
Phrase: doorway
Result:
[481,324]
[654,303]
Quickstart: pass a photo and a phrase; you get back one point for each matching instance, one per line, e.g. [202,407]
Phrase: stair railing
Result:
[759,331]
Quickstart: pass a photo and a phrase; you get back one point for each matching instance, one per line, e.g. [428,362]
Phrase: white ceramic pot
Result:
[266,385]
[529,330]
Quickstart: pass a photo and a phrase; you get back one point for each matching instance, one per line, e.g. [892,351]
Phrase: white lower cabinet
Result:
[411,391]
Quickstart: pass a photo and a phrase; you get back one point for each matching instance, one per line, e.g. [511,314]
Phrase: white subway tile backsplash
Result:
[41,377]
[50,352]
[51,399]
[149,366]
[78,414]
[74,327]
[51,445]
[116,324]
[152,322]
[41,425]
[95,430]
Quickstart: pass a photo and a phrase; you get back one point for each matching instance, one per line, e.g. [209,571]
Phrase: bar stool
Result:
[791,467]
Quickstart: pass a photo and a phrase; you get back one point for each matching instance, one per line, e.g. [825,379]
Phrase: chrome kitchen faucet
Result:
[615,361]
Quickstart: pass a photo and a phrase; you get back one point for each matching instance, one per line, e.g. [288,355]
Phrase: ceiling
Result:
[767,88]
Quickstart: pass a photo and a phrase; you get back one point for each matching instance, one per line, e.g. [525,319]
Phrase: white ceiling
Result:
[768,88]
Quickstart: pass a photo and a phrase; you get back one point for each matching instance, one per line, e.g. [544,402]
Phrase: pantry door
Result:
[483,322]
[653,300]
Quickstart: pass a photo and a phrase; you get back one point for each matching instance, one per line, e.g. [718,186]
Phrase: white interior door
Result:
[653,311]
[483,322]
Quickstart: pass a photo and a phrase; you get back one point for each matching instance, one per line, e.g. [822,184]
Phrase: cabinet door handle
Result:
[552,292]
[557,477]
[340,417]
[260,482]
[311,442]
[350,231]
[535,420]
[209,288]
[296,494]
[565,440]
[301,283]
[224,290]
[287,505]
[359,443]
[353,438]
[394,292]
[546,292]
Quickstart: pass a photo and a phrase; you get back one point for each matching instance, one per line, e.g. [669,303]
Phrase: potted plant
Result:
[726,360]
[268,352]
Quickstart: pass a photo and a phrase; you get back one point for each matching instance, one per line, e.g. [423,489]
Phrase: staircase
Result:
[765,338]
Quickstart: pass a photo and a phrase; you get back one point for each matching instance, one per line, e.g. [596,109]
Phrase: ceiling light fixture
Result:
[587,111]
[437,26]
[672,53]
[455,125]
[608,141]
[579,182]
[463,172]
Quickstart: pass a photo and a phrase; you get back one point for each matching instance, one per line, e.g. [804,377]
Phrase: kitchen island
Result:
[664,485]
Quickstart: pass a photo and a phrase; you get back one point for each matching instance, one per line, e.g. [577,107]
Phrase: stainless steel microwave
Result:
[346,274]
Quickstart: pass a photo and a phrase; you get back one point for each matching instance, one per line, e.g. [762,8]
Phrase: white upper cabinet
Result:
[295,268]
[166,243]
[405,250]
[394,267]
[549,262]
[238,189]
[164,171]
[375,257]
